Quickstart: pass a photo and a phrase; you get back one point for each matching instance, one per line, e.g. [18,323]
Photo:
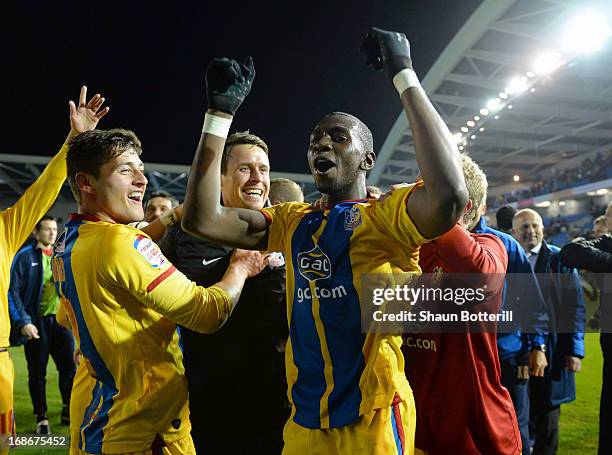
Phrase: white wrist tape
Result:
[217,126]
[405,79]
[169,218]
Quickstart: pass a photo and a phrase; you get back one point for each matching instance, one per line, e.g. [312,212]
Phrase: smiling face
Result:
[116,194]
[528,229]
[246,181]
[338,158]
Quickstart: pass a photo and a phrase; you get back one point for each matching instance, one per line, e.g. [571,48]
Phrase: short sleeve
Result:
[392,219]
[279,218]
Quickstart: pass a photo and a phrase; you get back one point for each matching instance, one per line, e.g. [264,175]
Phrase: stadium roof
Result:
[559,116]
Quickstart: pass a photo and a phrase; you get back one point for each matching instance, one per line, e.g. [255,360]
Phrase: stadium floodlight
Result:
[502,95]
[465,129]
[496,117]
[585,33]
[461,148]
[484,112]
[471,123]
[561,203]
[516,178]
[591,193]
[509,106]
[494,104]
[601,191]
[458,137]
[530,74]
[517,85]
[547,63]
[476,118]
[473,136]
[543,204]
[481,129]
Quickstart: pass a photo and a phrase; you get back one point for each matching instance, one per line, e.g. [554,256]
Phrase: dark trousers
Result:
[519,392]
[59,343]
[605,405]
[543,419]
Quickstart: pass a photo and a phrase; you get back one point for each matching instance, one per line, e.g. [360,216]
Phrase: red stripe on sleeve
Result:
[267,216]
[156,282]
[398,421]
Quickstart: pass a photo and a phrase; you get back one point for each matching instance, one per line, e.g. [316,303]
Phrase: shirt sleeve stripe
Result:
[267,216]
[157,281]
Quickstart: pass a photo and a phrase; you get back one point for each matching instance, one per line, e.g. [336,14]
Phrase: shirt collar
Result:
[536,249]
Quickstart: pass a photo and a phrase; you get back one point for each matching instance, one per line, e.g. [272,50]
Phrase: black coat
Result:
[236,375]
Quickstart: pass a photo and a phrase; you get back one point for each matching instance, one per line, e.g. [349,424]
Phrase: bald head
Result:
[361,130]
[528,228]
[284,190]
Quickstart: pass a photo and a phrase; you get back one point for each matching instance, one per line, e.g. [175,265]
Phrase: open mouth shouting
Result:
[323,166]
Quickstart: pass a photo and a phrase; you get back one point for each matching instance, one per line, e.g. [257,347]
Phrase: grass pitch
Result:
[578,427]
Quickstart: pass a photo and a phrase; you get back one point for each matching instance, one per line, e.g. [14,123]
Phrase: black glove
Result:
[228,83]
[388,50]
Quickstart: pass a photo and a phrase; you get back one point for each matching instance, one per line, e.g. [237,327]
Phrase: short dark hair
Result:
[363,132]
[504,217]
[240,138]
[88,151]
[44,218]
[165,195]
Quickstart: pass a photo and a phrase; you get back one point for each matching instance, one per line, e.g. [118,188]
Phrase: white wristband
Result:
[217,126]
[405,79]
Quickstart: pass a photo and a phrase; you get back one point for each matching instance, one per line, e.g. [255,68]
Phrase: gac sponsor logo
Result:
[420,343]
[326,293]
[314,264]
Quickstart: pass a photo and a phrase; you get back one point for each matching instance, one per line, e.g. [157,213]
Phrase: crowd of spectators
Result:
[590,170]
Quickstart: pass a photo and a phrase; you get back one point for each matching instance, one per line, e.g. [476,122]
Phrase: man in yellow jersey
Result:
[16,224]
[348,388]
[83,383]
[123,299]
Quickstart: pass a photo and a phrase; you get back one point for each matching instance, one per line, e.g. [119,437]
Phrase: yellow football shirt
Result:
[335,372]
[17,223]
[123,297]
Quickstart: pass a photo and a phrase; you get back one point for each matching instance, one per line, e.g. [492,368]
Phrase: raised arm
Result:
[593,255]
[227,84]
[21,218]
[435,207]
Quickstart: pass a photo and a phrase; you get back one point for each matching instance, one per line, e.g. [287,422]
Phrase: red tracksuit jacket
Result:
[461,405]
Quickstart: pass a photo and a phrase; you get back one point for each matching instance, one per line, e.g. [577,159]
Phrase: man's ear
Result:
[468,206]
[85,183]
[368,161]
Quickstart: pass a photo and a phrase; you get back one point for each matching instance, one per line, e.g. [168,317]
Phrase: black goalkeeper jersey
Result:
[236,375]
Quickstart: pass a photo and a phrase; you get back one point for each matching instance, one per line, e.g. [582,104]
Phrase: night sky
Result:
[148,60]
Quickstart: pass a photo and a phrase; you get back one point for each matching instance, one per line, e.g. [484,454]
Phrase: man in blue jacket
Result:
[521,342]
[33,304]
[560,287]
